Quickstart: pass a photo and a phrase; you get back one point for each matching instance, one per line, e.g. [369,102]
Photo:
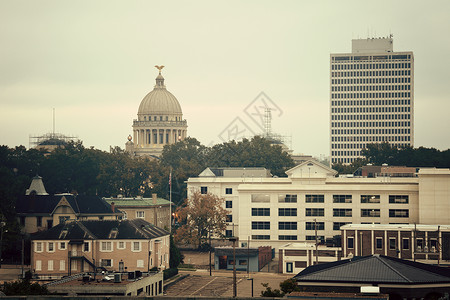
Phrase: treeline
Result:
[384,153]
[89,171]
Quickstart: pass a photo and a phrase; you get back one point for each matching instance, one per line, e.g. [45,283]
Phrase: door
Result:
[222,262]
[121,266]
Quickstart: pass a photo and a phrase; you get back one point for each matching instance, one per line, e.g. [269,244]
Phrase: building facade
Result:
[275,211]
[159,123]
[371,98]
[156,211]
[38,211]
[90,246]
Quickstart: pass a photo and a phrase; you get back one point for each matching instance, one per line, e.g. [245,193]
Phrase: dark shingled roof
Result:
[84,230]
[375,269]
[45,204]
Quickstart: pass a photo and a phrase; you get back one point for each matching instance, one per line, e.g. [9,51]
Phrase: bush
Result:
[168,273]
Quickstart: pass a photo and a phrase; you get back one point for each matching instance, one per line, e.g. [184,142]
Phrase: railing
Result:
[63,280]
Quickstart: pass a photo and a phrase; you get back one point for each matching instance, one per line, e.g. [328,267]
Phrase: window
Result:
[315,212]
[260,211]
[370,213]
[106,246]
[405,243]
[350,243]
[243,262]
[289,267]
[63,219]
[287,198]
[287,237]
[379,243]
[228,233]
[342,198]
[86,247]
[50,265]
[287,212]
[398,213]
[260,198]
[38,265]
[403,199]
[229,204]
[337,225]
[370,198]
[287,225]
[50,247]
[140,263]
[136,246]
[140,214]
[62,245]
[62,265]
[228,191]
[261,225]
[39,221]
[419,245]
[342,212]
[314,198]
[38,247]
[392,243]
[107,263]
[121,245]
[260,237]
[310,225]
[229,218]
[204,190]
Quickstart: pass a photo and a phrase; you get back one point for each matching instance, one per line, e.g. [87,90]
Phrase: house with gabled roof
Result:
[401,279]
[88,246]
[37,210]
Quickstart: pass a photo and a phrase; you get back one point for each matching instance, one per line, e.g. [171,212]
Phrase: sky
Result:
[93,62]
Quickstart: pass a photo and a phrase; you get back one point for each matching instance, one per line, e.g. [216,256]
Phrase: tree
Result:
[268,292]
[24,287]
[257,152]
[289,286]
[175,255]
[201,216]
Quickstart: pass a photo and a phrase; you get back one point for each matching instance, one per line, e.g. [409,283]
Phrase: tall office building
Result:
[371,98]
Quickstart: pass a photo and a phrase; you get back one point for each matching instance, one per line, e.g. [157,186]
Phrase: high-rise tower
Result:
[371,98]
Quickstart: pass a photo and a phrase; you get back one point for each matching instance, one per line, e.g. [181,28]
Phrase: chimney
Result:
[154,197]
[113,206]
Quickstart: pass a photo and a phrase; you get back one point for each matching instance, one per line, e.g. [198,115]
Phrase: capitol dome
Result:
[159,123]
[159,104]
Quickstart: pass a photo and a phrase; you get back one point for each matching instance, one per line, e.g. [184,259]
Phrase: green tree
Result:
[176,258]
[24,287]
[289,286]
[201,216]
[257,152]
[268,292]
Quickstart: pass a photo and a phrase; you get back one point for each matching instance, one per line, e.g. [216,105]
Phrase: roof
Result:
[36,186]
[235,172]
[220,251]
[83,230]
[159,101]
[406,227]
[309,169]
[144,202]
[46,204]
[375,269]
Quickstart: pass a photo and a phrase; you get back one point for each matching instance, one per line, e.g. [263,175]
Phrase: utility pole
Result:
[233,239]
[315,232]
[210,248]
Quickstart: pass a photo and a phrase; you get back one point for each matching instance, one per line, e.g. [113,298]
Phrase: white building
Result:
[272,211]
[371,98]
[159,123]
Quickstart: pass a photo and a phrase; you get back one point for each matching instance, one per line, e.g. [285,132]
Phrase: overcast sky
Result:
[93,61]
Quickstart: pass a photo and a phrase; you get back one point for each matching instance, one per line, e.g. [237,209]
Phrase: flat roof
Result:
[418,227]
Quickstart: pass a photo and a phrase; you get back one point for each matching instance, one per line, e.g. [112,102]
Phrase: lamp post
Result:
[233,239]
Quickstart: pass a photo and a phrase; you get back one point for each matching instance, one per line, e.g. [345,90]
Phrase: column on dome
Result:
[142,140]
[135,137]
